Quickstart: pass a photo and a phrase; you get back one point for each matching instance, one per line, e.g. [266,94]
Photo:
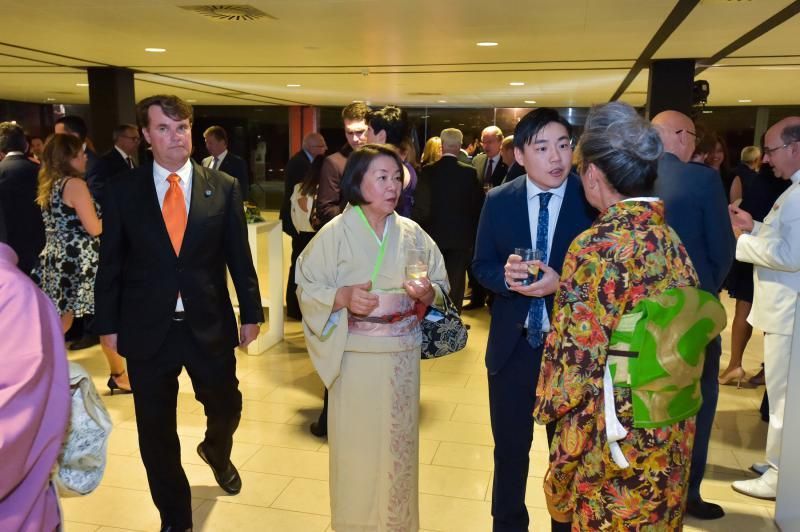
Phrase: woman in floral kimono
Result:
[361,321]
[629,254]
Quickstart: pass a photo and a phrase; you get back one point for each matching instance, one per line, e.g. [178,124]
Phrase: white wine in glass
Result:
[417,271]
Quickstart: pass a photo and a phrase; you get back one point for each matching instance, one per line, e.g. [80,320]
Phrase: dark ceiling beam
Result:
[671,23]
[775,20]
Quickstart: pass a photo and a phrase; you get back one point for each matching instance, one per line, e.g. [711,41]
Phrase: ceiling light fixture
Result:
[530,101]
[293,85]
[51,99]
[745,101]
[517,83]
[486,43]
[191,100]
[81,84]
[442,101]
[155,50]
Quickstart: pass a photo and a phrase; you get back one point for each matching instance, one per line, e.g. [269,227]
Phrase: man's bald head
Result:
[677,133]
[314,143]
[782,147]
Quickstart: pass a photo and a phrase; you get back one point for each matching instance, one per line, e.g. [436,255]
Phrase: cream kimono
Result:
[370,366]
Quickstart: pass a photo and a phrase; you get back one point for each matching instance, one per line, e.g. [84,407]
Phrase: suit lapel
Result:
[519,213]
[198,206]
[567,220]
[152,211]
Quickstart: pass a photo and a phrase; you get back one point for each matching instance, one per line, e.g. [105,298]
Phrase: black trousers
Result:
[299,243]
[512,393]
[155,395]
[456,262]
[479,293]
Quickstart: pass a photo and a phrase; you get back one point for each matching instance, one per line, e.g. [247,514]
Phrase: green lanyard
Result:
[381,250]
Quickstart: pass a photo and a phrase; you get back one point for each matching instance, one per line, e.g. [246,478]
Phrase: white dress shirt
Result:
[553,208]
[160,175]
[220,158]
[125,156]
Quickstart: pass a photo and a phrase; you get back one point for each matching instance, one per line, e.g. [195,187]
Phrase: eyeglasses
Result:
[770,151]
[689,131]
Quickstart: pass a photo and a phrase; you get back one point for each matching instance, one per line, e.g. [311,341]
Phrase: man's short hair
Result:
[535,121]
[750,154]
[121,129]
[171,105]
[355,111]
[791,133]
[452,137]
[508,143]
[493,129]
[218,132]
[393,121]
[12,137]
[75,125]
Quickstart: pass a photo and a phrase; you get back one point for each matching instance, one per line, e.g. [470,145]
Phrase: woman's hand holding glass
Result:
[356,298]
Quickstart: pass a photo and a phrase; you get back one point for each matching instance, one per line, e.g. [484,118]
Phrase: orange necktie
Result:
[174,212]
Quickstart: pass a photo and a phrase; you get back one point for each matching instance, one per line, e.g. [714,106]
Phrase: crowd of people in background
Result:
[132,253]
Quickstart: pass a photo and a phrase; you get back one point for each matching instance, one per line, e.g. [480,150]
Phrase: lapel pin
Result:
[207,193]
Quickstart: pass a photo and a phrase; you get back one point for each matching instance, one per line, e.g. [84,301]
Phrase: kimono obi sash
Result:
[658,351]
[394,316]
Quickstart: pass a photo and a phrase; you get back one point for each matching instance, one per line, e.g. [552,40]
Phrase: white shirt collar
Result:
[534,190]
[125,156]
[10,153]
[795,177]
[160,173]
[221,156]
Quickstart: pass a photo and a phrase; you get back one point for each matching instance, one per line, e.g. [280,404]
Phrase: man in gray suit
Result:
[695,204]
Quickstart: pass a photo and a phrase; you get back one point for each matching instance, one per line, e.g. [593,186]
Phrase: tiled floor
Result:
[285,469]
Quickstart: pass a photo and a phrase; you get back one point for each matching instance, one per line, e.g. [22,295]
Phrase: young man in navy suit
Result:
[544,209]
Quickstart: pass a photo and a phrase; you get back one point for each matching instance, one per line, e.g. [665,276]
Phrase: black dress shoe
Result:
[473,305]
[704,510]
[85,342]
[171,528]
[228,479]
[318,429]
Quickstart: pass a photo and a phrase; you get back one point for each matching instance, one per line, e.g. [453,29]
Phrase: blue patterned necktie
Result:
[536,309]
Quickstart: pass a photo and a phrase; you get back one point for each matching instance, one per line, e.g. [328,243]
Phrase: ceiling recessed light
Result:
[155,50]
[517,83]
[442,101]
[81,84]
[51,99]
[530,101]
[191,100]
[707,111]
[292,84]
[486,43]
[745,101]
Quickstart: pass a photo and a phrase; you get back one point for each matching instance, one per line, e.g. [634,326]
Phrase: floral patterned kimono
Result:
[370,365]
[627,255]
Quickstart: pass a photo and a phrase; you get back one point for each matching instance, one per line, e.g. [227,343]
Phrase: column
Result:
[112,102]
[670,86]
[302,121]
[762,124]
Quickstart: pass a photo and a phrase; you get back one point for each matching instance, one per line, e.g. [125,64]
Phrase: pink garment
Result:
[34,400]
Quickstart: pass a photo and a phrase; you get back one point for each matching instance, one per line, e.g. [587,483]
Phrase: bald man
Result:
[296,170]
[773,248]
[694,203]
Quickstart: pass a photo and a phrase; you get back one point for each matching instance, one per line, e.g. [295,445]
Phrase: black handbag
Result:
[442,332]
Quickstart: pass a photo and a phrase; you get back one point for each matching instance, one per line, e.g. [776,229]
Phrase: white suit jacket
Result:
[774,248]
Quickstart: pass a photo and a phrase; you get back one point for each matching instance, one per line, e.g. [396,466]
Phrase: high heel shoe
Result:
[736,374]
[112,383]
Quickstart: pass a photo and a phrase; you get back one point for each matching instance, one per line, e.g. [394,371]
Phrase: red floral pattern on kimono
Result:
[628,254]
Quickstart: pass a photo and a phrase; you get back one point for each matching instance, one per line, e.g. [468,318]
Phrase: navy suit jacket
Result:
[695,206]
[503,226]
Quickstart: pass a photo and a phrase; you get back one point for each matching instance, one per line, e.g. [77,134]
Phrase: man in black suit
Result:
[511,217]
[491,171]
[221,159]
[18,186]
[694,204]
[507,154]
[162,300]
[120,158]
[447,205]
[296,169]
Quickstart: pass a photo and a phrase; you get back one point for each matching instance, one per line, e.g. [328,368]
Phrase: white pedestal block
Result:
[266,247]
[787,509]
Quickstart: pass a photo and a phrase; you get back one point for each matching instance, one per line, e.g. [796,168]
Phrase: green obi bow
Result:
[658,350]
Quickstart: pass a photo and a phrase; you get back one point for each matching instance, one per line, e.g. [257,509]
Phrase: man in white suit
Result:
[773,246]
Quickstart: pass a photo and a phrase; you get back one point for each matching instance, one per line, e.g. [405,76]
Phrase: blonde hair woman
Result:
[432,151]
[68,262]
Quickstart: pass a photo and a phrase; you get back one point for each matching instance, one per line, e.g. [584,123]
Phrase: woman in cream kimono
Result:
[361,321]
